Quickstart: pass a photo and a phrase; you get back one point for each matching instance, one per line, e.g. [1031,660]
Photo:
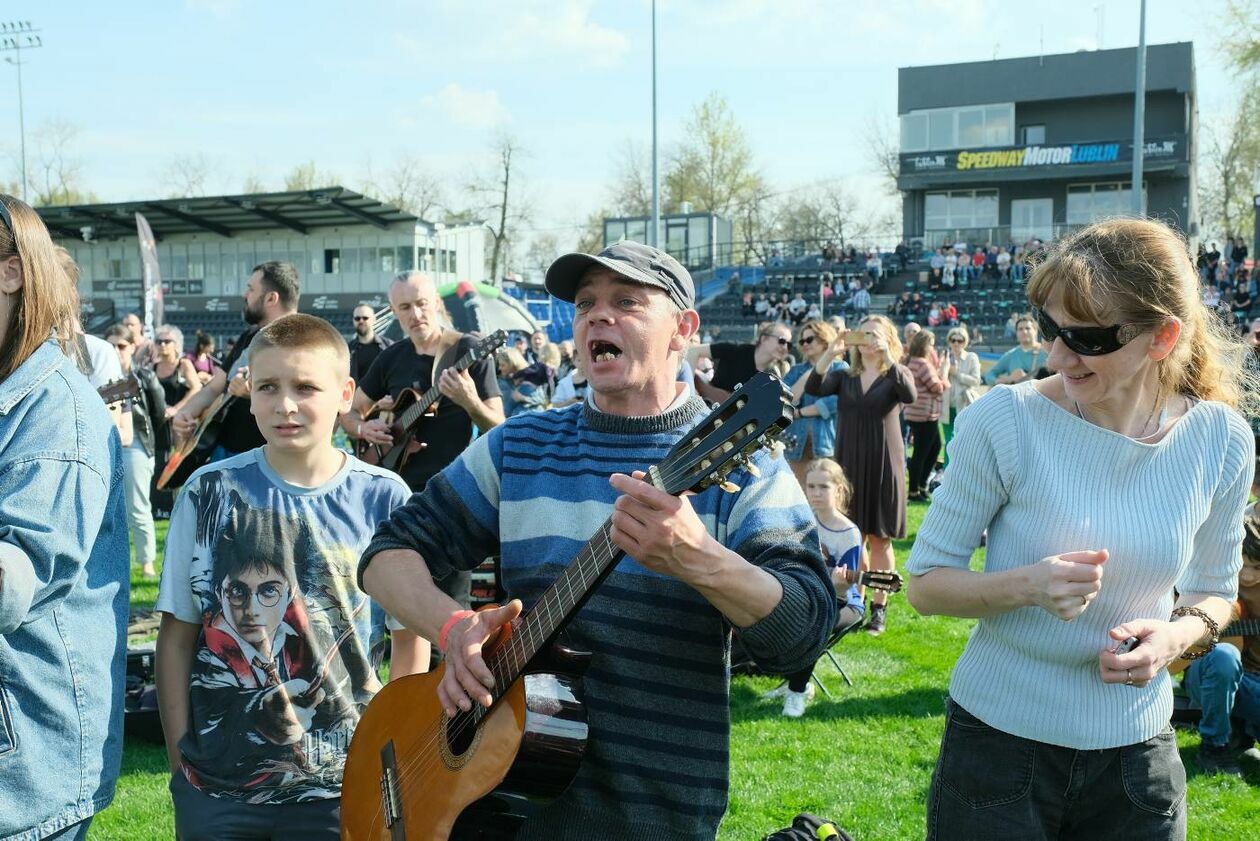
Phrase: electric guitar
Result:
[410,408]
[413,773]
[195,450]
[119,390]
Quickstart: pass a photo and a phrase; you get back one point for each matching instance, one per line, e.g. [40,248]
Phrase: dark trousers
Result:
[989,785]
[200,817]
[846,618]
[927,446]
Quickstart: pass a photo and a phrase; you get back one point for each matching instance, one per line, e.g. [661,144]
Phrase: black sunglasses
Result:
[782,341]
[363,318]
[806,340]
[1087,341]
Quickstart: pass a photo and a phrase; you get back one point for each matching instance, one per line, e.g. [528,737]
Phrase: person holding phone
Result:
[869,448]
[1103,488]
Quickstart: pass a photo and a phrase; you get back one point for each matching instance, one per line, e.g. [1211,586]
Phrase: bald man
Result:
[423,358]
[366,344]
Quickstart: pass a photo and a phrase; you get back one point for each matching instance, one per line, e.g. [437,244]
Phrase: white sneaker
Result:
[782,690]
[794,704]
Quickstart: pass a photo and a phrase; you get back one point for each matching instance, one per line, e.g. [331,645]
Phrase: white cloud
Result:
[558,30]
[468,108]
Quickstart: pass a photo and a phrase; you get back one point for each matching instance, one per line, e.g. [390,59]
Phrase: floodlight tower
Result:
[15,36]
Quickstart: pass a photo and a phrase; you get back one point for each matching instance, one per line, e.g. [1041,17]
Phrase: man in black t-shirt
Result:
[734,364]
[468,397]
[366,344]
[271,292]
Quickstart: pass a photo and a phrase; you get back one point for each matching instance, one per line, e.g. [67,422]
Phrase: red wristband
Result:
[450,623]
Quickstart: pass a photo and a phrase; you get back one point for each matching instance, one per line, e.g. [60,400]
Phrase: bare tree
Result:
[308,177]
[253,184]
[407,184]
[883,147]
[497,196]
[542,252]
[57,175]
[186,176]
[1233,155]
[632,190]
[591,238]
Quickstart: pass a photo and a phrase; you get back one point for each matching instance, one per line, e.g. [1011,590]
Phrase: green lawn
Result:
[862,758]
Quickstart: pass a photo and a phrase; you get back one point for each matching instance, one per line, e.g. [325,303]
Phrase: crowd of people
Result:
[1113,448]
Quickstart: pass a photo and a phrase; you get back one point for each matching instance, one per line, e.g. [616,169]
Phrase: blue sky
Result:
[258,87]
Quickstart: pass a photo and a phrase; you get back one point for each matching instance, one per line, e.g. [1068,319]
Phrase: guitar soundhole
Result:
[461,736]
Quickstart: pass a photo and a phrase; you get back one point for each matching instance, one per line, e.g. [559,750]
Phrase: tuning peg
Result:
[729,486]
[752,468]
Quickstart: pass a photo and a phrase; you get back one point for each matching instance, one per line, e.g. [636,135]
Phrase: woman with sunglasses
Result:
[964,381]
[813,434]
[64,557]
[1103,488]
[175,372]
[869,447]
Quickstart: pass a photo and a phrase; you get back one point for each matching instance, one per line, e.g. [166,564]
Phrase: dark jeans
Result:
[846,618]
[989,785]
[927,446]
[200,817]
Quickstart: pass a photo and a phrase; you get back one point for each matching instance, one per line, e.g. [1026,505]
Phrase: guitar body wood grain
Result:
[451,781]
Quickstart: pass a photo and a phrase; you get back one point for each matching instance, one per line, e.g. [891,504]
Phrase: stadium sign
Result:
[1020,157]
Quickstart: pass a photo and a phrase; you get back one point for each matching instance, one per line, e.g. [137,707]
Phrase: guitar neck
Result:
[1242,628]
[431,396]
[546,619]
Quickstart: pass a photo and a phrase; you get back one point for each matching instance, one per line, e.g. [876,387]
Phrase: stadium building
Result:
[1003,151]
[346,246]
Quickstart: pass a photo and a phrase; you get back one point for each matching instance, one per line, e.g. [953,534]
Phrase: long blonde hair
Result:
[1140,271]
[890,337]
[47,305]
[844,488]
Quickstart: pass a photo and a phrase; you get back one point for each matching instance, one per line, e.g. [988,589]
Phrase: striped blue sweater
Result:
[1044,481]
[534,490]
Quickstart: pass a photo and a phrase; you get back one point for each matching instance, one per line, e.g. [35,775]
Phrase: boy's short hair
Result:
[303,332]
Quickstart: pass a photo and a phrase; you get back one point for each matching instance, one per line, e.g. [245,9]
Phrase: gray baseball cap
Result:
[632,260]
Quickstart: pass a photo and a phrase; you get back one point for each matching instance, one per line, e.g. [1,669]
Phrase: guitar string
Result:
[410,771]
[416,769]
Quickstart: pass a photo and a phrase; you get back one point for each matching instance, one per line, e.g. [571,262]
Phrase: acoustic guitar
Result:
[410,408]
[119,390]
[876,579]
[413,773]
[196,449]
[1233,633]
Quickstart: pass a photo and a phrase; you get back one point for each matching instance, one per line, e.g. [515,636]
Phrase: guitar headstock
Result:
[744,423]
[879,579]
[490,343]
[119,390]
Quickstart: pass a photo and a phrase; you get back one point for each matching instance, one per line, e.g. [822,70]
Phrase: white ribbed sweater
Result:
[1044,482]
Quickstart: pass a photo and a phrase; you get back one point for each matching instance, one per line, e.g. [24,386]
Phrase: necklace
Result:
[1163,418]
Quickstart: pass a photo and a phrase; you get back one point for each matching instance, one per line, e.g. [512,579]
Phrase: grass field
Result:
[862,758]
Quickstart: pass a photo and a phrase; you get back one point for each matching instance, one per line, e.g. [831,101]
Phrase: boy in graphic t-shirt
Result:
[262,656]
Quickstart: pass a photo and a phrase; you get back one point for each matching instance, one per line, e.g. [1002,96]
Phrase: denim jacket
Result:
[64,593]
[821,431]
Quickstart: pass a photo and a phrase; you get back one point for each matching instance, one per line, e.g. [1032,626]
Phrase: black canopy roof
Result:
[298,211]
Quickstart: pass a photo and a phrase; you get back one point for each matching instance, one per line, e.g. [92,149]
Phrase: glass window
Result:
[941,129]
[349,260]
[985,208]
[387,260]
[614,232]
[936,211]
[1088,202]
[698,240]
[637,230]
[971,127]
[999,125]
[405,259]
[676,240]
[914,132]
[1034,135]
[332,261]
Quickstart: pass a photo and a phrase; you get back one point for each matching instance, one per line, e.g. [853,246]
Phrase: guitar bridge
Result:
[391,801]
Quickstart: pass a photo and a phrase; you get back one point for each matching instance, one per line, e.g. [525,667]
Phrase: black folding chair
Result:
[743,664]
